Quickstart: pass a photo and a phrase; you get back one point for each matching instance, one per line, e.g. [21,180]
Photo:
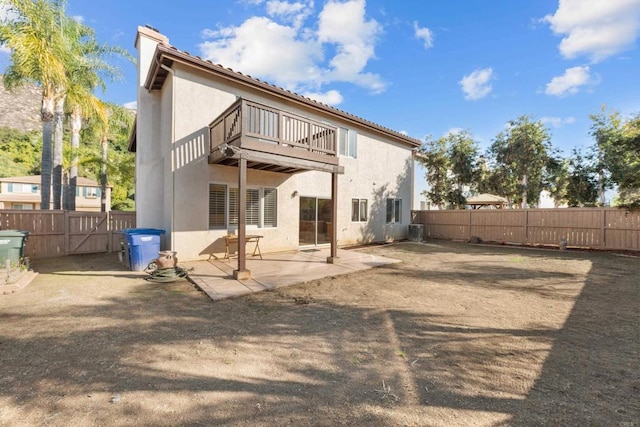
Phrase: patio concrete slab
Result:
[215,277]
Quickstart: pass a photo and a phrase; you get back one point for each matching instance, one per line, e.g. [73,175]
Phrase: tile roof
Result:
[157,75]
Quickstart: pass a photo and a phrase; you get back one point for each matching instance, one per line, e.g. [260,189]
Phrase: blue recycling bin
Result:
[142,246]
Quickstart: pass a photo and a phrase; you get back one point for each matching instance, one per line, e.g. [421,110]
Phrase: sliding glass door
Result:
[315,221]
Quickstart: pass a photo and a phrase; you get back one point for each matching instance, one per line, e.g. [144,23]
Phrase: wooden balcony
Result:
[272,139]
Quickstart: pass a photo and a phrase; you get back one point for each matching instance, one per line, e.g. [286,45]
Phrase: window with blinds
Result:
[253,207]
[270,207]
[252,214]
[233,206]
[217,205]
[261,207]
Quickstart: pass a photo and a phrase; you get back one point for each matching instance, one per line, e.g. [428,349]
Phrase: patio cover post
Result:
[242,273]
[333,259]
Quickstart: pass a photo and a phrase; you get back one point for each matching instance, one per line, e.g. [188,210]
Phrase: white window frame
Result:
[258,195]
[90,192]
[348,143]
[394,211]
[358,212]
[22,188]
[23,206]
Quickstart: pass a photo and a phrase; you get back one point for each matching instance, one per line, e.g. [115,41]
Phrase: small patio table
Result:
[251,238]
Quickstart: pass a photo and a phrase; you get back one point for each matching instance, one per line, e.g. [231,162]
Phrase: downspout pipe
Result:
[173,160]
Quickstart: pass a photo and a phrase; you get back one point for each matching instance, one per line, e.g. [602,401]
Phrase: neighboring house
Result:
[23,192]
[204,131]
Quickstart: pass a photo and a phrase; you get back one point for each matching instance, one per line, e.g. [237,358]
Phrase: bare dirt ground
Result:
[454,335]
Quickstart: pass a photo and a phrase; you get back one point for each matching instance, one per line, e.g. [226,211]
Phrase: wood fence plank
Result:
[604,228]
[59,233]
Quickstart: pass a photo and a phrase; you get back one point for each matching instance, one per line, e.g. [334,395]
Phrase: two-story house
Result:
[220,152]
[23,192]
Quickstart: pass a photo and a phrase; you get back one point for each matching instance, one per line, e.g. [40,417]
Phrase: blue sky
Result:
[423,67]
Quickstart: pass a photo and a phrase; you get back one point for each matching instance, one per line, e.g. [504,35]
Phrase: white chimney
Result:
[146,41]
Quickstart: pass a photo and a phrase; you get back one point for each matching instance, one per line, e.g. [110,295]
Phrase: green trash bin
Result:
[12,243]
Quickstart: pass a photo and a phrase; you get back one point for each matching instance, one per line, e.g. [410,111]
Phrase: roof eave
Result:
[171,54]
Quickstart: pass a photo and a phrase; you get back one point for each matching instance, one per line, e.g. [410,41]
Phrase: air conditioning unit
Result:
[416,231]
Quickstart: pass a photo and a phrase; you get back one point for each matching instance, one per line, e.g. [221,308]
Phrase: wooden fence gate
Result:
[58,233]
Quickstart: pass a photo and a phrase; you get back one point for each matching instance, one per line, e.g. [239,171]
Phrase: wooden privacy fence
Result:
[601,228]
[58,233]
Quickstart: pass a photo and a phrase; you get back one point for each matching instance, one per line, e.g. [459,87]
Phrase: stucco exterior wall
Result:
[173,174]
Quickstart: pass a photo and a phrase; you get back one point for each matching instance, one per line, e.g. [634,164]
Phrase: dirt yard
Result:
[456,334]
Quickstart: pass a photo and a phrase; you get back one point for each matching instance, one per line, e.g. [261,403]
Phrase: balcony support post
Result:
[242,273]
[333,258]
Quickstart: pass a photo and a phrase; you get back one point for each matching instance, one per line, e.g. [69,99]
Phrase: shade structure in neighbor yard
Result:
[487,201]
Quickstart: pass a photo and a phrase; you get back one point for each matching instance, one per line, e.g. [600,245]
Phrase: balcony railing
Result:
[250,125]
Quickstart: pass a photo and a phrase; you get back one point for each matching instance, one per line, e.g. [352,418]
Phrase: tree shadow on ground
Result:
[387,354]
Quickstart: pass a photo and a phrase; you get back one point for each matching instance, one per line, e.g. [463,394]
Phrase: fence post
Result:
[603,226]
[470,221]
[526,226]
[67,231]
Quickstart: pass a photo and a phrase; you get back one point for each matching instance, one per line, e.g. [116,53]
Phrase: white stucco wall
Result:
[173,174]
[150,135]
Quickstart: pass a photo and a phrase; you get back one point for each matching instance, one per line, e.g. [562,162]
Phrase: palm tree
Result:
[38,55]
[85,75]
[116,127]
[63,57]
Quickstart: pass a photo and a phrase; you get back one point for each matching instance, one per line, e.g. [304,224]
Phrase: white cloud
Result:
[424,34]
[595,28]
[281,49]
[294,13]
[133,105]
[557,122]
[344,25]
[4,49]
[477,84]
[570,82]
[78,18]
[264,48]
[332,97]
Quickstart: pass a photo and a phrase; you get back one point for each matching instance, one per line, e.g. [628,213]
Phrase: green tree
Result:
[582,180]
[462,153]
[451,164]
[117,165]
[86,74]
[556,178]
[38,55]
[618,147]
[606,130]
[433,155]
[62,55]
[19,153]
[521,154]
